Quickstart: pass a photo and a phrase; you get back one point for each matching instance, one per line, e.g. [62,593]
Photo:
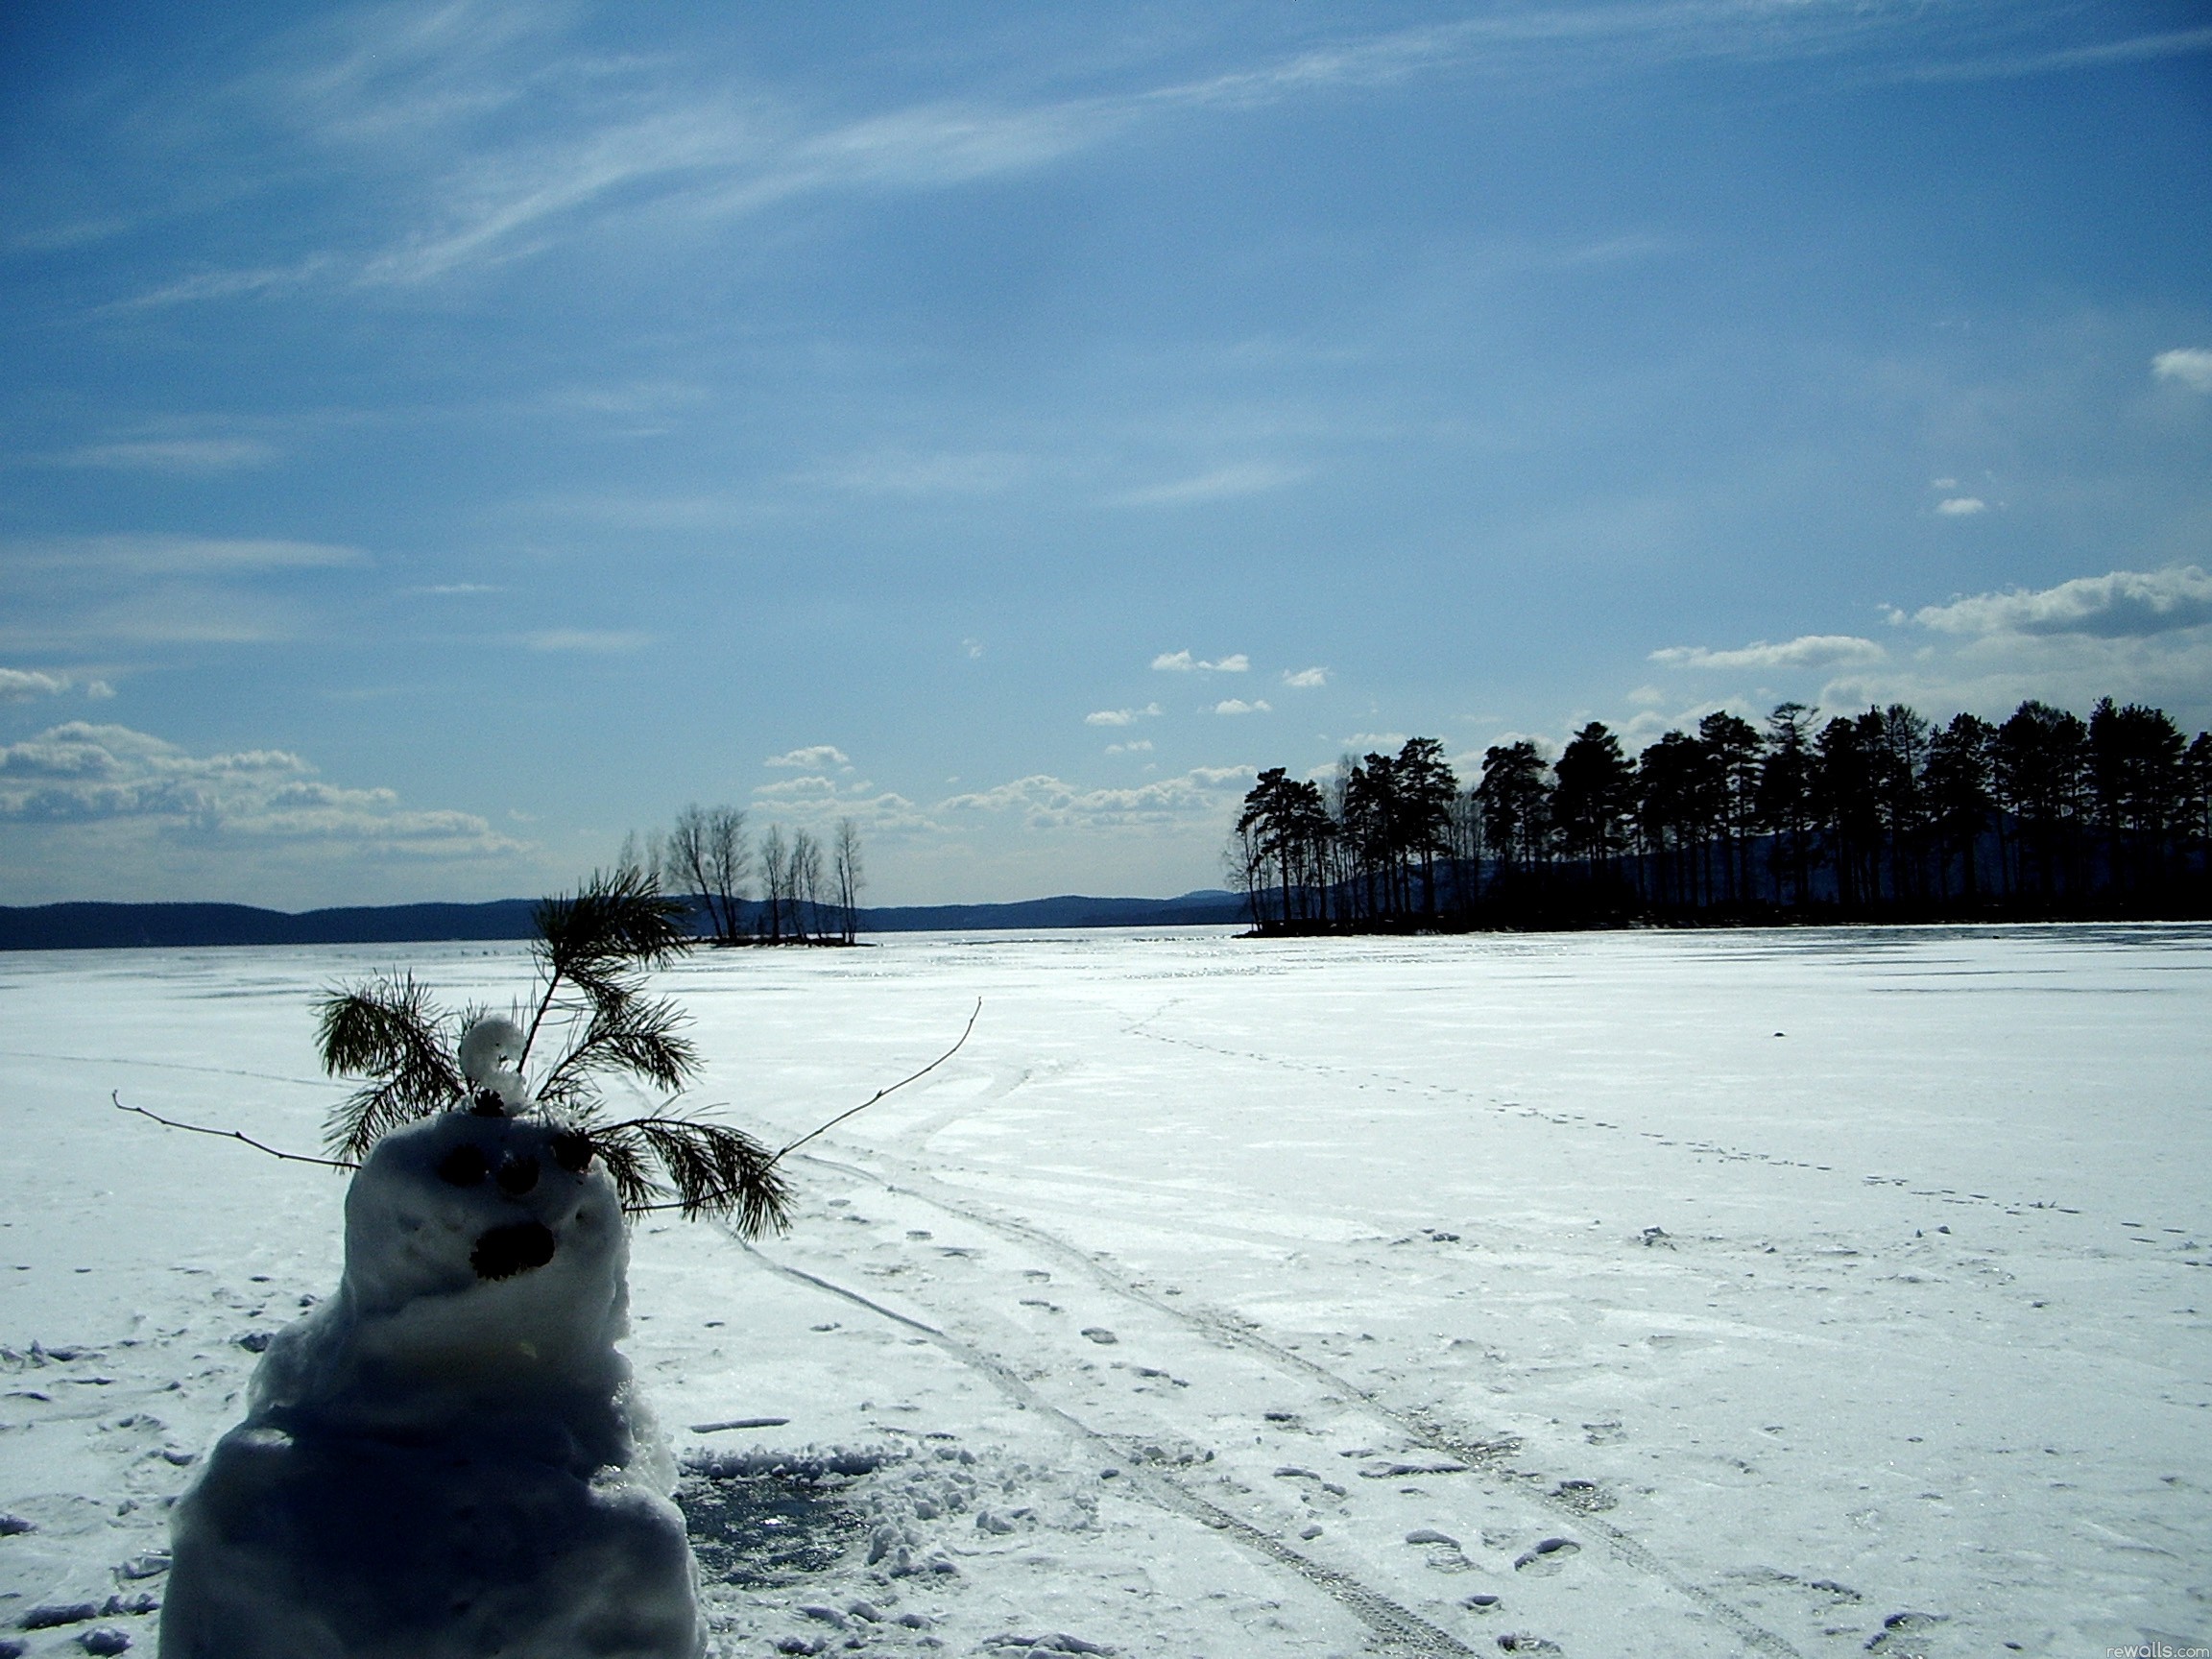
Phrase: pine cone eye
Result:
[463,1167]
[572,1151]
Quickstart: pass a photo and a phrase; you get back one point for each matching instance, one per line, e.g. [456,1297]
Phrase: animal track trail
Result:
[1486,1459]
[2020,1208]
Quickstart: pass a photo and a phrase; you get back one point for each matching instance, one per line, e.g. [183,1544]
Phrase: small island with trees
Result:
[1877,816]
[810,893]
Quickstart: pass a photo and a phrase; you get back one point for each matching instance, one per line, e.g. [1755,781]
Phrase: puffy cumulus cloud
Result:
[1305,678]
[1041,802]
[1121,716]
[1238,706]
[2189,366]
[815,757]
[816,798]
[1806,651]
[86,774]
[2120,604]
[1962,506]
[21,685]
[1183,662]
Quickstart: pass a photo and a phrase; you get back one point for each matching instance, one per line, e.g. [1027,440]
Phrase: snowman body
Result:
[448,1460]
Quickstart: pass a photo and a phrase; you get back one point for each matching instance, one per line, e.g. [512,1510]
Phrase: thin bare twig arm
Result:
[891,1089]
[116,1095]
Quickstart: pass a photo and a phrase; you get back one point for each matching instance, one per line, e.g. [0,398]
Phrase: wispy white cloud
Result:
[64,592]
[1807,651]
[254,282]
[180,456]
[1305,678]
[1222,482]
[171,555]
[1962,506]
[81,772]
[814,758]
[1121,716]
[1183,662]
[2118,603]
[496,135]
[898,472]
[2013,64]
[1135,746]
[590,641]
[2189,366]
[1238,706]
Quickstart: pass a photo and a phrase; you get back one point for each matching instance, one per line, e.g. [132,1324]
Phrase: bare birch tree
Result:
[776,883]
[847,877]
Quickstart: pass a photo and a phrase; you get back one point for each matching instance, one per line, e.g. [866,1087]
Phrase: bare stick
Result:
[116,1095]
[892,1089]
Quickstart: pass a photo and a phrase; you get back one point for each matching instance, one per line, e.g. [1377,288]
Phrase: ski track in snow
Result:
[1392,1624]
[1486,1459]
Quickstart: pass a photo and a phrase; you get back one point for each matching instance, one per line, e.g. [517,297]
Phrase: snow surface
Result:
[1815,1292]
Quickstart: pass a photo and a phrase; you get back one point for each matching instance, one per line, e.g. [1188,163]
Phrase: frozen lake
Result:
[1672,1295]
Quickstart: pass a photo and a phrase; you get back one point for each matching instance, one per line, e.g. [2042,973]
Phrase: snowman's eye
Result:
[517,1175]
[463,1167]
[572,1151]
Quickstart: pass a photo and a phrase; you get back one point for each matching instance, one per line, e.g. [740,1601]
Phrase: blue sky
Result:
[440,437]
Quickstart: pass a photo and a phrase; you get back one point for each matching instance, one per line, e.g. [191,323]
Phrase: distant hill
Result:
[92,926]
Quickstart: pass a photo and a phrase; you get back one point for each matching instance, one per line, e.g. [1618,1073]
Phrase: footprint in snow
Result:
[1547,1556]
[1583,1497]
[1445,1555]
[1100,1335]
[1900,1624]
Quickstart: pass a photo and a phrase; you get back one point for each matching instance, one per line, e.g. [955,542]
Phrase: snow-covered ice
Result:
[1812,1292]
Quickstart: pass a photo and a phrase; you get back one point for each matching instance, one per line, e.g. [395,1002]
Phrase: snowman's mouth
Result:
[514,1248]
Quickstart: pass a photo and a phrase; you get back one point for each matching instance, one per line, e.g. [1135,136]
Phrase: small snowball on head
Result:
[490,1060]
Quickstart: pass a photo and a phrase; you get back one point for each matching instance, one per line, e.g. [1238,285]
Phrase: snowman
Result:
[449,1458]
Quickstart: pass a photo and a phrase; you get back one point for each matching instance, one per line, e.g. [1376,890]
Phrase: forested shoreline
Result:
[1876,816]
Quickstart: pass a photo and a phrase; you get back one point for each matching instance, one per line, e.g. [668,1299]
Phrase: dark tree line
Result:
[1874,815]
[809,894]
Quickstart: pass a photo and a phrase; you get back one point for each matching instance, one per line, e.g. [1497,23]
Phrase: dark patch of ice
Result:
[761,1518]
